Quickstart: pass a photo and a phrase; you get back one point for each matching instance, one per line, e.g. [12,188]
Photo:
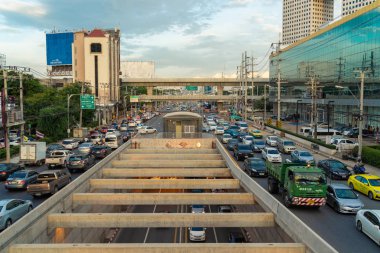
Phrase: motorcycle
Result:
[359,169]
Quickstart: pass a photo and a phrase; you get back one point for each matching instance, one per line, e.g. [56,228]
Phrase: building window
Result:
[96,48]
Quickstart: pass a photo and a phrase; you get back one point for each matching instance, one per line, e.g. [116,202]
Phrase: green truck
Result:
[300,185]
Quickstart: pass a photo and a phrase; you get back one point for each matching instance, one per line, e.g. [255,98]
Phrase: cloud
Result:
[30,8]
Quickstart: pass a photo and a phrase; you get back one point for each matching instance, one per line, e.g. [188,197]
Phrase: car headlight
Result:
[377,192]
[253,170]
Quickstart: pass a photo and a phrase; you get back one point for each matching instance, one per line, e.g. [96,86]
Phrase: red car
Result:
[104,130]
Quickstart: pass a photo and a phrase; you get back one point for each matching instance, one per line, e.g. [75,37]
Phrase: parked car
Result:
[242,151]
[85,148]
[70,144]
[285,146]
[219,130]
[49,182]
[271,155]
[226,138]
[197,234]
[20,179]
[52,147]
[302,156]
[101,152]
[248,140]
[231,144]
[334,169]
[367,184]
[272,140]
[256,133]
[80,162]
[255,167]
[258,145]
[236,237]
[343,199]
[147,130]
[344,144]
[368,222]
[6,169]
[12,210]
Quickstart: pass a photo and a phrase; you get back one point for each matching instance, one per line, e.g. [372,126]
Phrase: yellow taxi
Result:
[367,184]
[256,133]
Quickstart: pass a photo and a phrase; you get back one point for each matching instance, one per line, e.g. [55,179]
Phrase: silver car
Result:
[343,199]
[85,148]
[13,209]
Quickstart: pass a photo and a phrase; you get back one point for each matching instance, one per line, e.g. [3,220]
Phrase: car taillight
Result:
[22,181]
[3,173]
[103,151]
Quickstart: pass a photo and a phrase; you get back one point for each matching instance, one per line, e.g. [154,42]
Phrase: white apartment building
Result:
[300,18]
[351,6]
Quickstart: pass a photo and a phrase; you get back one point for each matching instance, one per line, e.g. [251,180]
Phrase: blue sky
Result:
[185,38]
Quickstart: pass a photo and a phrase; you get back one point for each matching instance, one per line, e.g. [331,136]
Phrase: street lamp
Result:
[69,96]
[328,115]
[297,116]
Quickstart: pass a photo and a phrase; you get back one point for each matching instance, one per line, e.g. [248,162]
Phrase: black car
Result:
[334,169]
[242,151]
[126,136]
[241,136]
[231,144]
[236,237]
[52,147]
[255,167]
[101,151]
[80,162]
[7,169]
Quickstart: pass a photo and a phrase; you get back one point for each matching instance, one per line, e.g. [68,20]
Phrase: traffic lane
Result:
[330,225]
[163,235]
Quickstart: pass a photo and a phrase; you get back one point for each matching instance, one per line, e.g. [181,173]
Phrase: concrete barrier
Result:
[178,156]
[168,164]
[148,143]
[171,151]
[296,229]
[172,172]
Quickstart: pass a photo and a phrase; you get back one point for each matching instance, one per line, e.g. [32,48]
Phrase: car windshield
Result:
[259,143]
[94,136]
[226,136]
[249,138]
[197,229]
[288,143]
[345,194]
[85,145]
[304,153]
[243,125]
[111,139]
[233,141]
[1,207]
[335,165]
[374,182]
[309,178]
[75,158]
[257,163]
[19,174]
[234,127]
[244,147]
[220,128]
[99,148]
[273,152]
[67,142]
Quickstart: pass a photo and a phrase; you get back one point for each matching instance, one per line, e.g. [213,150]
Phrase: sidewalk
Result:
[14,159]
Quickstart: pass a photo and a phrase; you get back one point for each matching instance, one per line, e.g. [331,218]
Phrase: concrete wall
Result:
[32,228]
[296,229]
[148,143]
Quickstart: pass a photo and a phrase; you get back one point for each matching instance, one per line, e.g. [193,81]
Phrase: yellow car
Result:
[367,184]
[256,133]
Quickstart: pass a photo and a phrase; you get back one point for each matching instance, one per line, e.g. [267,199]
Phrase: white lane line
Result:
[216,237]
[147,231]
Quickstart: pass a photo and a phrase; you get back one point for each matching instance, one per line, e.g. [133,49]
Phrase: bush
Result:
[14,150]
[316,141]
[370,155]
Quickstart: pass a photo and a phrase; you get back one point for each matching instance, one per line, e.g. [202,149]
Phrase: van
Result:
[325,132]
[111,141]
[305,131]
[286,146]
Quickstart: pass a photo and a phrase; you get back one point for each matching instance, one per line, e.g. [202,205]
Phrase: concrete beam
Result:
[164,184]
[173,172]
[163,199]
[171,157]
[160,248]
[156,220]
[171,151]
[169,164]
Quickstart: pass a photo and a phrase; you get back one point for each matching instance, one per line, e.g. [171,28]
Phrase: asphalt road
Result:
[337,229]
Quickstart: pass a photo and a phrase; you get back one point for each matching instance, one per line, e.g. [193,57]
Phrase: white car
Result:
[123,127]
[226,138]
[197,234]
[368,222]
[271,155]
[219,130]
[197,209]
[70,144]
[248,139]
[147,130]
[213,126]
[272,140]
[112,131]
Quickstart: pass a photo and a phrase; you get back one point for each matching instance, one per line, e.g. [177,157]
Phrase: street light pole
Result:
[297,116]
[69,96]
[328,115]
[361,114]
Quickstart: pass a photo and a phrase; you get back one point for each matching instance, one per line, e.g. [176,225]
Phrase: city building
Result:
[58,54]
[301,18]
[351,6]
[333,57]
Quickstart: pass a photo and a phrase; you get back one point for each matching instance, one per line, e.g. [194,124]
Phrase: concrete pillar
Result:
[149,90]
[220,106]
[149,106]
[219,90]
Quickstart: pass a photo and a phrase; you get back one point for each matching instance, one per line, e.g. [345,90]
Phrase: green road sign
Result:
[192,88]
[87,102]
[134,99]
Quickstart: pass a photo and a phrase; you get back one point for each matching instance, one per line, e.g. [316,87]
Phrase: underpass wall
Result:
[33,227]
[289,222]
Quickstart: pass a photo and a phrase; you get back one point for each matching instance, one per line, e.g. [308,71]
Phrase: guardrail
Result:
[296,229]
[173,135]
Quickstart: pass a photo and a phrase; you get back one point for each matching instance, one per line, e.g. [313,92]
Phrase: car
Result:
[131,131]
[285,146]
[12,210]
[111,131]
[206,128]
[80,162]
[225,125]
[219,130]
[197,209]
[256,133]
[103,130]
[242,151]
[368,222]
[271,155]
[248,140]
[343,199]
[70,144]
[236,237]
[231,144]
[6,169]
[96,138]
[241,135]
[226,138]
[147,130]
[367,184]
[302,156]
[168,108]
[20,179]
[101,152]
[258,145]
[197,234]
[334,169]
[243,126]
[344,143]
[125,136]
[255,167]
[85,148]
[123,127]
[224,209]
[272,140]
[234,127]
[52,147]
[139,126]
[212,126]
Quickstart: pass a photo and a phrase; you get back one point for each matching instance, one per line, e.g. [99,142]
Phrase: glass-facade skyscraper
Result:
[334,55]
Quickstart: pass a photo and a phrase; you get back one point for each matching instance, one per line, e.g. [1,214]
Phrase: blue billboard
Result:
[58,48]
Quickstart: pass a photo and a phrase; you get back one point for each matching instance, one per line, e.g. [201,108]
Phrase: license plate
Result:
[261,174]
[38,194]
[246,156]
[311,202]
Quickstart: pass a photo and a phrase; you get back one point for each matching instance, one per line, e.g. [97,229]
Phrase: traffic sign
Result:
[134,99]
[87,102]
[192,88]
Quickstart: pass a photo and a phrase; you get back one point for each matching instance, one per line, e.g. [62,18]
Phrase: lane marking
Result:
[147,231]
[176,229]
[216,237]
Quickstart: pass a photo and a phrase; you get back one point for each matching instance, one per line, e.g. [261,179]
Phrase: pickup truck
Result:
[49,182]
[58,158]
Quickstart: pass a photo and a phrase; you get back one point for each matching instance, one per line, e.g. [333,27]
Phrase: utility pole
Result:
[313,82]
[265,102]
[245,86]
[5,116]
[81,111]
[22,128]
[278,95]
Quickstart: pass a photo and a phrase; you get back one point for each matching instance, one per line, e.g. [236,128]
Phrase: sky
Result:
[185,38]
